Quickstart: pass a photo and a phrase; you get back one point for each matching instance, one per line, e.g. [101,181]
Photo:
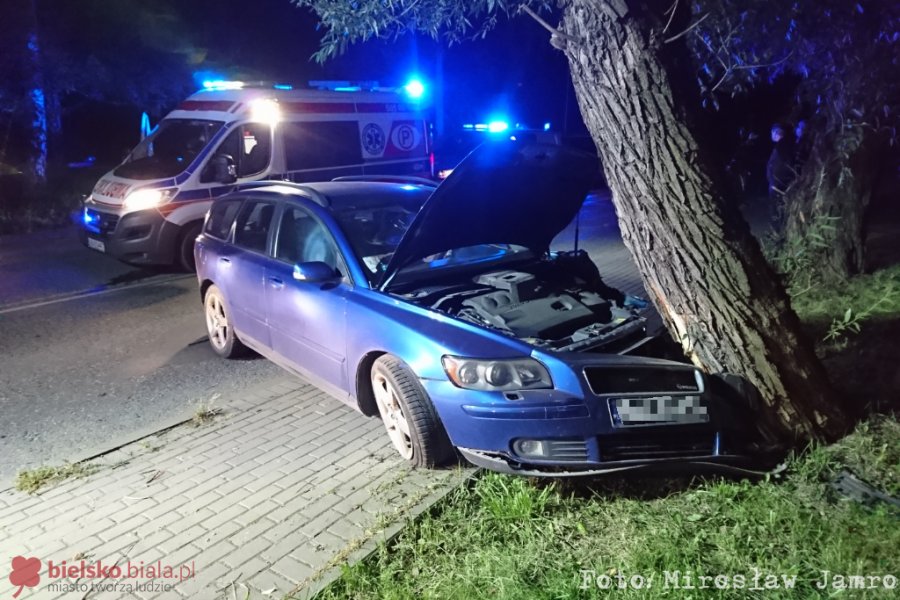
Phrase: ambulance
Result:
[149,209]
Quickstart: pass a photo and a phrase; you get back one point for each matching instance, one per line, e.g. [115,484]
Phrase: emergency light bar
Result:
[343,86]
[213,85]
[414,88]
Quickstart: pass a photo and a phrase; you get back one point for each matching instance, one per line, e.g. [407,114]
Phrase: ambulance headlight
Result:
[144,199]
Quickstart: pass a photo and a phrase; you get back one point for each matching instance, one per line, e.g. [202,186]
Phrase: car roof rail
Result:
[389,179]
[249,185]
[307,190]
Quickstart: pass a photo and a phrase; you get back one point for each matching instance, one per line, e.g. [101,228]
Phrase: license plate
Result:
[96,245]
[658,410]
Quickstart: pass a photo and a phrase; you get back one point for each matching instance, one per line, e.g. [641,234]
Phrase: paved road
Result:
[49,263]
[86,372]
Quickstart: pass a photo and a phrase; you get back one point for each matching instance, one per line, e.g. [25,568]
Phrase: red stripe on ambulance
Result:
[219,105]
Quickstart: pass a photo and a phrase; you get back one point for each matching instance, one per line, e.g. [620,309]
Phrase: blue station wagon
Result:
[442,311]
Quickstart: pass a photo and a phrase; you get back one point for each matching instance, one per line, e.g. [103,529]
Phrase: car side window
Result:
[301,238]
[253,223]
[249,145]
[221,216]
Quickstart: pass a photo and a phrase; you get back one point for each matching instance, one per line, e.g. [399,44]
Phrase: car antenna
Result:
[577,223]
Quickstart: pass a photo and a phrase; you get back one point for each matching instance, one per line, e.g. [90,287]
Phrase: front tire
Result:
[408,414]
[222,338]
[185,250]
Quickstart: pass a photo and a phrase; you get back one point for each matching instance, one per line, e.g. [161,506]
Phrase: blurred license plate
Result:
[659,410]
[96,245]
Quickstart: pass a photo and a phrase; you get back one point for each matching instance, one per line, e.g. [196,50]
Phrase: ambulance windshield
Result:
[169,150]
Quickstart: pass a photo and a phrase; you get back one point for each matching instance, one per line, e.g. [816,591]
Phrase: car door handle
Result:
[225,261]
[276,282]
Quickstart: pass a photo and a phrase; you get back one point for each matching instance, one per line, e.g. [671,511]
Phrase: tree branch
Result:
[686,31]
[554,32]
[671,12]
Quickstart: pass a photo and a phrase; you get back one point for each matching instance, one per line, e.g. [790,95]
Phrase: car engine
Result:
[544,305]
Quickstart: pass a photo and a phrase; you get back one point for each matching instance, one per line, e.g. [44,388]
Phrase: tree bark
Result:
[701,267]
[826,207]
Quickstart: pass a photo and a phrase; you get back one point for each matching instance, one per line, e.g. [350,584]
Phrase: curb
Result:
[386,536]
[135,437]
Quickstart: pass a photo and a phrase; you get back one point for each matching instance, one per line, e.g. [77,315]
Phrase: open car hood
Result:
[504,192]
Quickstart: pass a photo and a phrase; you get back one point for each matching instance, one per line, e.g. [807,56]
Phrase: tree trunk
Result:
[38,161]
[825,209]
[701,267]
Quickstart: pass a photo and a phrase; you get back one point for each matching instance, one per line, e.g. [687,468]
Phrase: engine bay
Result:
[559,304]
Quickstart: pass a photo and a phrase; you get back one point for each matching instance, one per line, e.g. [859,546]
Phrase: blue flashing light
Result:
[407,187]
[88,218]
[283,86]
[222,84]
[414,89]
[468,126]
[547,126]
[348,88]
[497,126]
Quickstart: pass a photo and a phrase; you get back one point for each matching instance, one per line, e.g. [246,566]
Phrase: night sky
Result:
[514,71]
[513,74]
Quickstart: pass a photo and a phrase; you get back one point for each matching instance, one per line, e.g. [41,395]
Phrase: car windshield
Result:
[169,150]
[375,232]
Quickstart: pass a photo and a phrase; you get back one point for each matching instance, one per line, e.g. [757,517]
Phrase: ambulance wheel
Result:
[184,257]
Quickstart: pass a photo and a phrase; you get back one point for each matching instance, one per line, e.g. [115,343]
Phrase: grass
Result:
[31,481]
[825,303]
[510,538]
[856,325]
[206,412]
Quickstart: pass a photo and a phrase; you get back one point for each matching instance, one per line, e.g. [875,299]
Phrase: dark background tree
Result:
[845,57]
[636,87]
[55,57]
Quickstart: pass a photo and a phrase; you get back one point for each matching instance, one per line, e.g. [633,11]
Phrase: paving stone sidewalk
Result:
[266,499]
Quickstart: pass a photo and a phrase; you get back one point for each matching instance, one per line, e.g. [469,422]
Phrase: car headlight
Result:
[144,199]
[499,375]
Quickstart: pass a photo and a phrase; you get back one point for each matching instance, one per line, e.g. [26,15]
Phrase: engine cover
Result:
[549,317]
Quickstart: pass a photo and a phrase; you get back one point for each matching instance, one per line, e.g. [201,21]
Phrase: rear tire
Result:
[408,414]
[185,250]
[222,338]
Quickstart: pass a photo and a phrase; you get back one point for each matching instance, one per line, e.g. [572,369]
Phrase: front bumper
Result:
[142,238]
[731,464]
[581,436]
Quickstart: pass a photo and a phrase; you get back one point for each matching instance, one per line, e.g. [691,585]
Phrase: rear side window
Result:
[322,144]
[221,216]
[253,223]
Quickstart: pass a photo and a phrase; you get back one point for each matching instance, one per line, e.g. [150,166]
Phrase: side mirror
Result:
[223,169]
[314,272]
